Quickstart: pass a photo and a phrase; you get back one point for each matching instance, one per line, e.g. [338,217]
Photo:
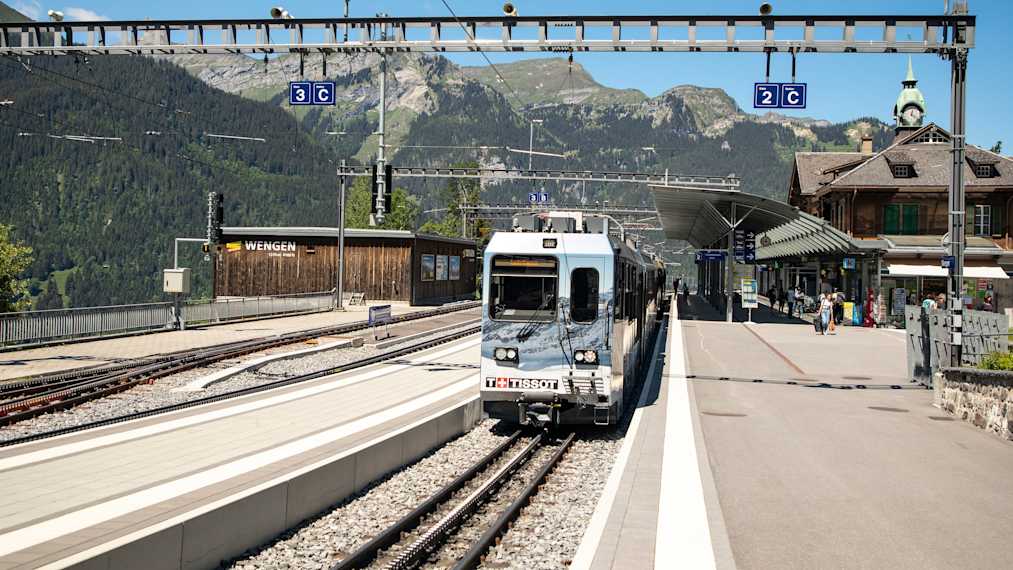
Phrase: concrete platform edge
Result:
[588,548]
[398,340]
[204,537]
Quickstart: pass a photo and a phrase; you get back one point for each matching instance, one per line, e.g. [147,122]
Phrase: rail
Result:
[40,328]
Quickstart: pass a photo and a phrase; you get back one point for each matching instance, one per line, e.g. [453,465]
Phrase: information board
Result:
[749,300]
[379,315]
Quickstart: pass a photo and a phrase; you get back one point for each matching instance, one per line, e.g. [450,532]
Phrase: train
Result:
[569,318]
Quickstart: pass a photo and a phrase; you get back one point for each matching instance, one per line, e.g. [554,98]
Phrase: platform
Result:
[57,358]
[768,446]
[77,497]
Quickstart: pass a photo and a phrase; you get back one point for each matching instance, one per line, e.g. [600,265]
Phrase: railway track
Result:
[21,400]
[457,525]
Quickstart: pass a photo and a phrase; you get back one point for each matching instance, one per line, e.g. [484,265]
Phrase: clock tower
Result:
[909,110]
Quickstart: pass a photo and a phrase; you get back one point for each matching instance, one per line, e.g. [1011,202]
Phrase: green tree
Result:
[357,203]
[50,298]
[15,258]
[453,195]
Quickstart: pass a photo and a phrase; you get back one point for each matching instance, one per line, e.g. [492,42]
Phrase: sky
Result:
[841,86]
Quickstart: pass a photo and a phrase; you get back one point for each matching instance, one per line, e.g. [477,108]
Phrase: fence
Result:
[928,340]
[35,328]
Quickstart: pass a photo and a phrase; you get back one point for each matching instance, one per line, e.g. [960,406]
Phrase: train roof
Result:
[531,243]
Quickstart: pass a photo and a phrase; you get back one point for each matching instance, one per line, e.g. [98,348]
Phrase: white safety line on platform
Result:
[164,426]
[75,521]
[596,526]
[204,381]
[683,537]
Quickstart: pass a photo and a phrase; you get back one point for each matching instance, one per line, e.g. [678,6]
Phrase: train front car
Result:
[546,334]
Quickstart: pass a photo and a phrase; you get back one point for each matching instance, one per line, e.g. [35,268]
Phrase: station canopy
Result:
[703,217]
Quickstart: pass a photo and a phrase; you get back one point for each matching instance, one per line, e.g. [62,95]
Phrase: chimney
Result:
[865,147]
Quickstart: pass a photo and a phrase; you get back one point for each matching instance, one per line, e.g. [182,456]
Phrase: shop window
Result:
[584,294]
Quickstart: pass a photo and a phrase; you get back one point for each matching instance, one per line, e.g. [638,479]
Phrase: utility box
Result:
[176,280]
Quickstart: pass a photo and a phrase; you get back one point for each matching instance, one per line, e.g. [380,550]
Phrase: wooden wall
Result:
[241,272]
[867,219]
[436,292]
[382,268]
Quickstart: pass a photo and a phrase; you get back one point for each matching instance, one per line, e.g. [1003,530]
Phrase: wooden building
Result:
[384,264]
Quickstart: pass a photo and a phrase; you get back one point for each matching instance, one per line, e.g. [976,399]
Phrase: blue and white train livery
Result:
[569,314]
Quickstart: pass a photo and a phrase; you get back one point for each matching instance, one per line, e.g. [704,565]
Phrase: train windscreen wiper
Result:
[531,324]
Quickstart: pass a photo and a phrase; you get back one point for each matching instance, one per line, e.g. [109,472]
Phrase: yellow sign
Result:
[234,246]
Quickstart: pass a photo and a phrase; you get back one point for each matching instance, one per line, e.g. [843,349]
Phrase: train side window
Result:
[584,294]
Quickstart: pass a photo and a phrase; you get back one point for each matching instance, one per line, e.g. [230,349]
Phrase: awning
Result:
[935,270]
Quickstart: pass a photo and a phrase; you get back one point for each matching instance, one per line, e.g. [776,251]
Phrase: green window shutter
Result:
[969,219]
[891,219]
[909,215]
[998,223]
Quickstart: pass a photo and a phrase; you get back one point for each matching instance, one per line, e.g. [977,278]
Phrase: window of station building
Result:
[523,288]
[982,220]
[900,219]
[902,171]
[984,170]
[584,294]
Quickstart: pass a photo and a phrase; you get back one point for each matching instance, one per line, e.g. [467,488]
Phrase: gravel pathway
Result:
[327,539]
[161,392]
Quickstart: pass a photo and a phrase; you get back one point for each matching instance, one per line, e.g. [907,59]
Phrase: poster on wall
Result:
[428,267]
[455,267]
[441,267]
[899,301]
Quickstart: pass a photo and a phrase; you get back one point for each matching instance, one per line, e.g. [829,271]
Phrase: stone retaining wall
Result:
[980,397]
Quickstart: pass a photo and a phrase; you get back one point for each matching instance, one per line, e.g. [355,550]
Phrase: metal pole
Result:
[346,18]
[381,159]
[339,302]
[730,272]
[531,144]
[958,59]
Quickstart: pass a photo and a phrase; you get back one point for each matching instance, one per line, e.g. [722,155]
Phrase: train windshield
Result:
[523,288]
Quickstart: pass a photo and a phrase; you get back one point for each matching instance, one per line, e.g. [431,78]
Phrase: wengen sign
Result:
[269,245]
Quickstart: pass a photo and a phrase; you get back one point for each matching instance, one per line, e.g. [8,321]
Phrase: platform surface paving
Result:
[57,358]
[863,474]
[74,492]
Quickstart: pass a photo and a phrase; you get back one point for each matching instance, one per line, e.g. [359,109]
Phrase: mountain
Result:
[102,215]
[551,81]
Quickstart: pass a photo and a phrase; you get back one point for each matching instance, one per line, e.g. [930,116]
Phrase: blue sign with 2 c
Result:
[779,95]
[311,93]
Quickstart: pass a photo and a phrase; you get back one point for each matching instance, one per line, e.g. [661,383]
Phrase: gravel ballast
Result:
[336,534]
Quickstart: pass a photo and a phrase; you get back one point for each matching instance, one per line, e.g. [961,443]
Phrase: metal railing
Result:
[37,328]
[237,308]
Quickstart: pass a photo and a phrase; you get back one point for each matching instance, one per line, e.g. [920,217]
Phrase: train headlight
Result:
[579,356]
[586,357]
[505,354]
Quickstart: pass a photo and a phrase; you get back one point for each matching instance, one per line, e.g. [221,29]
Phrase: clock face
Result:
[912,115]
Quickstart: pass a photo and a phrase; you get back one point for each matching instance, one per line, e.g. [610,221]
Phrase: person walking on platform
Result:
[825,317]
[799,300]
[791,303]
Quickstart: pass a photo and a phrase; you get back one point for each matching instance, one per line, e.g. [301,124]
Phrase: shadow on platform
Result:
[696,308]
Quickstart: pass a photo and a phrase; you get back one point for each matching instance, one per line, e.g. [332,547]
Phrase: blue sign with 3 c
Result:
[300,93]
[534,197]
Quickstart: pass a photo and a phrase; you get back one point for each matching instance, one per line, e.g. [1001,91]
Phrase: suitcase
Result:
[818,323]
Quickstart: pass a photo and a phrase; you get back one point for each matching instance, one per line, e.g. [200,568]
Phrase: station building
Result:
[893,207]
[387,265]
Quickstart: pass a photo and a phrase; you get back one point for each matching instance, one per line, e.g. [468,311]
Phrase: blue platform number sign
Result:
[543,197]
[532,197]
[793,96]
[323,92]
[779,95]
[766,95]
[300,93]
[538,197]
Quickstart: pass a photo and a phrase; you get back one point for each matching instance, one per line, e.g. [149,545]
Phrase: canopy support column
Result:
[730,270]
